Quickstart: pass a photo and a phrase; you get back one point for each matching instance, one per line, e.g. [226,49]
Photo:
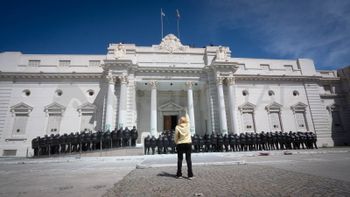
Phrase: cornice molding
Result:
[43,75]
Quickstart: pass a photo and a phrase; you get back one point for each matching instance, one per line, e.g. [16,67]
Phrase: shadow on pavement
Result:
[166,174]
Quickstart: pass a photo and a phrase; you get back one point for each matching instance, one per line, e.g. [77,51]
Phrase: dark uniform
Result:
[238,142]
[147,144]
[220,143]
[134,136]
[201,143]
[314,139]
[213,142]
[232,141]
[195,143]
[242,139]
[126,137]
[153,144]
[35,146]
[160,144]
[119,137]
[166,144]
[207,142]
[226,142]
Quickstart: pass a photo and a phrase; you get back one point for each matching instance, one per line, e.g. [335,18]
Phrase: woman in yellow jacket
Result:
[183,143]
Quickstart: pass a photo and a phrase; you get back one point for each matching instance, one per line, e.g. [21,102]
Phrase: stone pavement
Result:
[227,180]
[303,172]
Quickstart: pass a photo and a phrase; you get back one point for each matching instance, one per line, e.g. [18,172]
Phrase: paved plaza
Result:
[323,172]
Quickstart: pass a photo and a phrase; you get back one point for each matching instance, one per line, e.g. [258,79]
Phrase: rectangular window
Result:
[63,63]
[34,63]
[54,123]
[288,67]
[301,121]
[86,122]
[20,124]
[94,63]
[265,67]
[275,121]
[9,152]
[248,122]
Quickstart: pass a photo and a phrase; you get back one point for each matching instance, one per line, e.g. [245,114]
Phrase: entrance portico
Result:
[172,98]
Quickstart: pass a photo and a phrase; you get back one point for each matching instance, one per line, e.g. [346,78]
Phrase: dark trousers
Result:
[181,149]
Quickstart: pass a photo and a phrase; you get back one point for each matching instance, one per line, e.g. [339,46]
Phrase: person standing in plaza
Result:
[184,145]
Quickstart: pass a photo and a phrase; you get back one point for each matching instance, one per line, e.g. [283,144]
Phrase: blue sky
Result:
[281,29]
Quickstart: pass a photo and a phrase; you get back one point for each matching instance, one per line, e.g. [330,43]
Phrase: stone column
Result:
[109,104]
[231,91]
[122,101]
[190,107]
[153,129]
[222,109]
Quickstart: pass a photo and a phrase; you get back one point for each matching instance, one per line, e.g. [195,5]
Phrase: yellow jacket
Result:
[182,132]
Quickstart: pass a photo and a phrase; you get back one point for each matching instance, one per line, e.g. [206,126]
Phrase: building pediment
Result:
[299,107]
[21,108]
[247,107]
[273,107]
[87,107]
[170,106]
[54,108]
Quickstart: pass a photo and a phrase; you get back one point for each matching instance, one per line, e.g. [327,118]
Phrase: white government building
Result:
[151,86]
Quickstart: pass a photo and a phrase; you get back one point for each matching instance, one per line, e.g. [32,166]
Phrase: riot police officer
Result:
[213,142]
[232,142]
[201,143]
[107,139]
[147,144]
[226,142]
[119,137]
[166,143]
[153,144]
[35,146]
[160,144]
[195,142]
[238,142]
[314,139]
[134,136]
[207,142]
[126,137]
[242,139]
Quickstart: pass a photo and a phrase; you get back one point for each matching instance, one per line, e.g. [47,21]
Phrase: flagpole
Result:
[161,22]
[178,23]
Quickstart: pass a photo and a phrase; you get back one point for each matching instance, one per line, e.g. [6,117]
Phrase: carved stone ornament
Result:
[219,80]
[231,81]
[119,51]
[221,54]
[123,79]
[189,84]
[153,84]
[110,78]
[171,43]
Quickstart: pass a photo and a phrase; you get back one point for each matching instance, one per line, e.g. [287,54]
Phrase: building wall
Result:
[173,63]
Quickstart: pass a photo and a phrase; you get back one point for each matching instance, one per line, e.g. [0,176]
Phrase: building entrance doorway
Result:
[170,122]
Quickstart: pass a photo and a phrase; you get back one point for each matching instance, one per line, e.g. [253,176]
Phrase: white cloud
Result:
[314,29]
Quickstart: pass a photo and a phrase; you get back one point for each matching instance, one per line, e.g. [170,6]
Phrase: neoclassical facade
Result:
[151,86]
